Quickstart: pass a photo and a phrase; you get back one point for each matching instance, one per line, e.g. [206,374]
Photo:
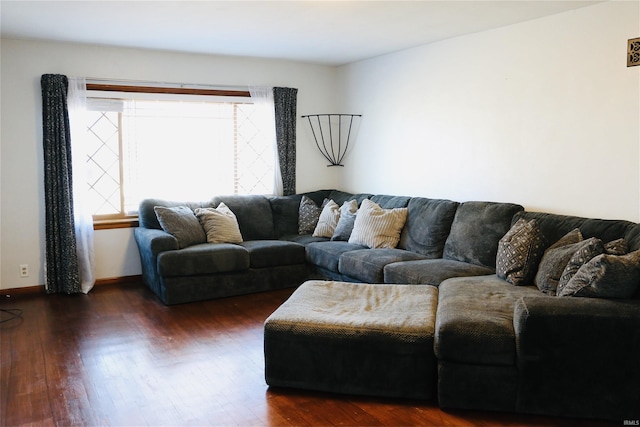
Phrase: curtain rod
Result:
[158,87]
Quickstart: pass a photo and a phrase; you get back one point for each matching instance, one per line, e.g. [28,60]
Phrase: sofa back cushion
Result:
[342,196]
[147,216]
[285,211]
[476,230]
[428,226]
[554,226]
[253,214]
[632,236]
[390,202]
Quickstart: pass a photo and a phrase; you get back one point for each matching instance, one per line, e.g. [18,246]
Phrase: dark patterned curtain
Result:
[61,269]
[285,104]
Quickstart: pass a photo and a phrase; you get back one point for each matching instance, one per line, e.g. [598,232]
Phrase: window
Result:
[173,146]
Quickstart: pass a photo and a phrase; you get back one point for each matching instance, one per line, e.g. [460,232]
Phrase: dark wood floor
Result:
[119,357]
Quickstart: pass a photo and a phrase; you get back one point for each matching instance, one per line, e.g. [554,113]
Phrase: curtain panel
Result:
[61,262]
[285,105]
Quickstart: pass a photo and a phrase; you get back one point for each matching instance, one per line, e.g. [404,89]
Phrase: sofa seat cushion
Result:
[327,254]
[206,258]
[367,265]
[474,323]
[270,253]
[303,239]
[431,271]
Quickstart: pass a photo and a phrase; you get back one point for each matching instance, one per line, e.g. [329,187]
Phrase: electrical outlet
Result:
[24,270]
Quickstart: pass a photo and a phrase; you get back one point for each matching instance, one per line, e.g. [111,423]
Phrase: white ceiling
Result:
[323,32]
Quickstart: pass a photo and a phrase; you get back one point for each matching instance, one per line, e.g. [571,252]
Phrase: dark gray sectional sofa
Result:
[498,346]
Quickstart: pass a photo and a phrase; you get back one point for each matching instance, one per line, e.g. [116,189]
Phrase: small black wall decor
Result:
[633,52]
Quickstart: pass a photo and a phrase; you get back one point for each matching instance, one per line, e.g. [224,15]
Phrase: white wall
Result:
[22,193]
[543,113]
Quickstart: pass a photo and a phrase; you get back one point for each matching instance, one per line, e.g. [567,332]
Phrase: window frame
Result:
[106,222]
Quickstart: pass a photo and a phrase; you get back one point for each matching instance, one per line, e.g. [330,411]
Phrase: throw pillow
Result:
[376,227]
[554,261]
[519,252]
[606,276]
[308,215]
[589,249]
[182,224]
[348,212]
[616,247]
[220,224]
[328,220]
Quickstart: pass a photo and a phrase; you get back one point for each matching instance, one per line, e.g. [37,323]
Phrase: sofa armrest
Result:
[578,356]
[154,241]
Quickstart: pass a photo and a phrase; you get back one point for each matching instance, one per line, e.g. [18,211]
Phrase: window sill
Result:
[108,224]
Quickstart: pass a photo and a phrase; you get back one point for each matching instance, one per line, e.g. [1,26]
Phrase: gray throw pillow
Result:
[587,250]
[554,261]
[181,223]
[308,215]
[606,276]
[519,252]
[348,212]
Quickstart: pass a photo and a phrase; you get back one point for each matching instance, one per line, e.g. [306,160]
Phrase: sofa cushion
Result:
[474,322]
[431,271]
[555,226]
[376,227]
[303,239]
[285,210]
[428,225]
[632,236]
[606,276]
[147,217]
[253,213]
[328,220]
[220,224]
[270,253]
[285,214]
[477,227]
[390,202]
[367,265]
[206,258]
[327,254]
[181,223]
[347,219]
[519,253]
[340,197]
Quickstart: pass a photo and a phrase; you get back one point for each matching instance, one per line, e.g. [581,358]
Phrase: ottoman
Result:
[354,338]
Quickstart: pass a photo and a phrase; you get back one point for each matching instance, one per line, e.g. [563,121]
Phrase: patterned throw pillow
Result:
[554,261]
[589,249]
[519,252]
[606,276]
[348,212]
[220,224]
[616,247]
[182,224]
[376,227]
[328,220]
[308,215]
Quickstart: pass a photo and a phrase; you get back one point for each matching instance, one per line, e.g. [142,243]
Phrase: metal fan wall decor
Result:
[332,134]
[633,52]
